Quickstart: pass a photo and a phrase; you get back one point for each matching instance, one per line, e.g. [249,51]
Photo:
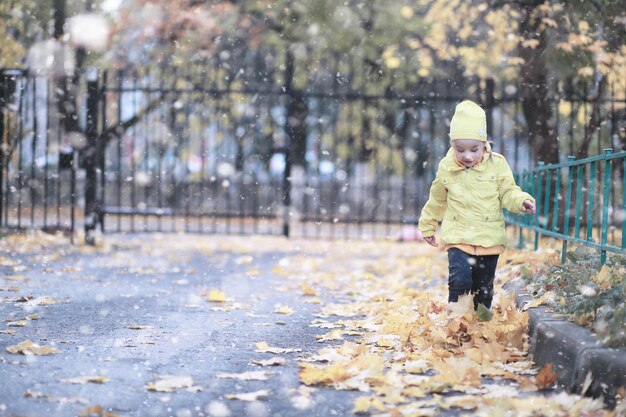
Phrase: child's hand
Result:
[431,241]
[528,207]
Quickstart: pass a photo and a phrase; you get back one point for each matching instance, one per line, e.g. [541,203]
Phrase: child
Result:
[472,186]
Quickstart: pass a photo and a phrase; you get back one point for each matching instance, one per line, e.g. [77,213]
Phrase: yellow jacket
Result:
[469,201]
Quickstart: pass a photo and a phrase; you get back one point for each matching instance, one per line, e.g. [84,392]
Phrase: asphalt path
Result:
[137,310]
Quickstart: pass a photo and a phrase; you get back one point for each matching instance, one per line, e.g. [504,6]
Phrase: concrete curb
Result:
[582,364]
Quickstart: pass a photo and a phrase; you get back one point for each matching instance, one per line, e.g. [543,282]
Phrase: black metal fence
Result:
[295,145]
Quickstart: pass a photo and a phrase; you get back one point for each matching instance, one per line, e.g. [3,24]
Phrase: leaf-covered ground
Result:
[219,326]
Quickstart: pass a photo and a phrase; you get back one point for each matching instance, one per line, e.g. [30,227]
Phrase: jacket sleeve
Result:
[435,207]
[511,195]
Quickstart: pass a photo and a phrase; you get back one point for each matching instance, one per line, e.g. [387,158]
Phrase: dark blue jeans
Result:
[469,274]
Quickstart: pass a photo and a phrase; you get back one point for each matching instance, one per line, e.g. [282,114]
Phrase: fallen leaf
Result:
[458,372]
[263,347]
[7,332]
[603,278]
[416,367]
[546,376]
[86,379]
[97,410]
[138,327]
[546,298]
[332,335]
[324,374]
[284,310]
[20,323]
[171,383]
[246,376]
[249,396]
[19,278]
[307,290]
[27,347]
[44,300]
[269,362]
[35,394]
[216,296]
[244,259]
[367,404]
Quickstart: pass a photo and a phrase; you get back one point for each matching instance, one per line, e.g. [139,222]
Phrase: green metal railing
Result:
[590,193]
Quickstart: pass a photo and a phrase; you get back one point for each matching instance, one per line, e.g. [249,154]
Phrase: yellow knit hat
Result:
[469,122]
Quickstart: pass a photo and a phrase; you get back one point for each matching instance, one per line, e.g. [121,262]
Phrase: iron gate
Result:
[221,150]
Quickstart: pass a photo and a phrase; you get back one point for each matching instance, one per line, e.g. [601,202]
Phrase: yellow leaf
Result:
[365,404]
[249,396]
[27,347]
[384,343]
[458,372]
[603,278]
[216,296]
[263,347]
[170,383]
[270,362]
[332,335]
[246,376]
[586,71]
[530,43]
[284,310]
[546,298]
[549,22]
[416,367]
[307,290]
[96,410]
[565,46]
[583,26]
[406,12]
[44,300]
[312,374]
[244,260]
[86,379]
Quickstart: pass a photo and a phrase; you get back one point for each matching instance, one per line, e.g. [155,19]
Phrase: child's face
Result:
[469,152]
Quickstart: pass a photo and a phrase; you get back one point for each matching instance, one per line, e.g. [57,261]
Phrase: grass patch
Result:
[587,293]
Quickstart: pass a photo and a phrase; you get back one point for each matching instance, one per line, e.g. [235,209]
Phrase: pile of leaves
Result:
[588,293]
[392,336]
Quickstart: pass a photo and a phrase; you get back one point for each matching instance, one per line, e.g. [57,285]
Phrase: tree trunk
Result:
[534,81]
[296,115]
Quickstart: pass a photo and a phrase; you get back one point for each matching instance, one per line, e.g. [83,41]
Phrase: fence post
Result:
[539,200]
[3,97]
[90,157]
[289,70]
[624,204]
[524,186]
[605,202]
[568,203]
[546,205]
[590,199]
